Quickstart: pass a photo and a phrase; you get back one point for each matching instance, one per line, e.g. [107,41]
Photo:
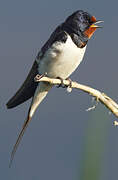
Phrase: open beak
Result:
[95,24]
[89,32]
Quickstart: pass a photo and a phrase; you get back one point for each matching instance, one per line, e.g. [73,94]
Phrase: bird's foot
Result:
[70,82]
[63,85]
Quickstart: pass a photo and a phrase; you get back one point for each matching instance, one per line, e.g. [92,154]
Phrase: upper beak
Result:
[96,26]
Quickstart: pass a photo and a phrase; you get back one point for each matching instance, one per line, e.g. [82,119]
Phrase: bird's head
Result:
[82,23]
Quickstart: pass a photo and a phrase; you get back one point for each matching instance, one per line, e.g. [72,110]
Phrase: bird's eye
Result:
[81,19]
[84,19]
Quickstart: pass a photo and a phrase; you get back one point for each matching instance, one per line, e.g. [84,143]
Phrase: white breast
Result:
[61,59]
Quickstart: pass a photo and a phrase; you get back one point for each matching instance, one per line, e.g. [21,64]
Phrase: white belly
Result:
[61,59]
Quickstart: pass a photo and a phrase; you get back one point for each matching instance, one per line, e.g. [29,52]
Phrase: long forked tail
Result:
[39,95]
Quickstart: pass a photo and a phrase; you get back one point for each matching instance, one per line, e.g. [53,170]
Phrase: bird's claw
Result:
[63,85]
[70,82]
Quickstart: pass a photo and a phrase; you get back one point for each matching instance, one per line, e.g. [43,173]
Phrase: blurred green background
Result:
[63,141]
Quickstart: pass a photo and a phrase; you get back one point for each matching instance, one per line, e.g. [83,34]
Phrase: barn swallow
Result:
[59,57]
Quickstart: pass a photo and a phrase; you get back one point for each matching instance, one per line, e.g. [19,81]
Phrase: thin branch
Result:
[99,96]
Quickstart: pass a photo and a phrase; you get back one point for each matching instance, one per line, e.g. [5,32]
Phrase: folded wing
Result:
[27,90]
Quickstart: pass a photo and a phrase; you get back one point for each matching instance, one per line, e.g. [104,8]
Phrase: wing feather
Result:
[27,90]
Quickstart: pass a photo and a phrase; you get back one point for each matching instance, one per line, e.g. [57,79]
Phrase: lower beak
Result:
[95,24]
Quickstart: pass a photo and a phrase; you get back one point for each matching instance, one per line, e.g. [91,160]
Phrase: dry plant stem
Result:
[100,96]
